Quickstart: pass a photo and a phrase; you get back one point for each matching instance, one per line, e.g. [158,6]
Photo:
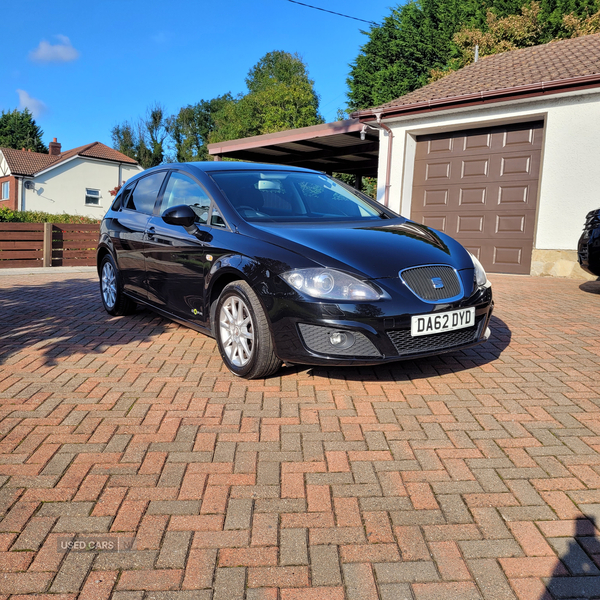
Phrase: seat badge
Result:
[437,283]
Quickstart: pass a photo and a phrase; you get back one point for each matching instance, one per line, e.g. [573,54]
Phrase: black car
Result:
[287,265]
[588,249]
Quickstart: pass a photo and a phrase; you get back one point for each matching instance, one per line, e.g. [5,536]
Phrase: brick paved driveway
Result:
[474,475]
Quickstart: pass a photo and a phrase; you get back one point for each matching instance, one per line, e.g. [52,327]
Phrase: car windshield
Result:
[292,197]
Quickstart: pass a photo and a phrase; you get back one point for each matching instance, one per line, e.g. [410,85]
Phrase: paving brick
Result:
[409,572]
[98,585]
[360,583]
[173,507]
[34,533]
[490,548]
[293,547]
[530,587]
[446,591]
[125,561]
[325,568]
[150,580]
[24,583]
[73,572]
[315,593]
[230,584]
[543,566]
[369,552]
[347,512]
[248,557]
[264,530]
[490,579]
[239,513]
[411,543]
[174,549]
[199,569]
[282,577]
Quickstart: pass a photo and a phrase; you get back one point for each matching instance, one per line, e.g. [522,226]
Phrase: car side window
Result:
[122,197]
[143,197]
[181,189]
[216,220]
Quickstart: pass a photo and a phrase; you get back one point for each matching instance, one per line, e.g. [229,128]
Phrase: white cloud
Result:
[36,107]
[46,52]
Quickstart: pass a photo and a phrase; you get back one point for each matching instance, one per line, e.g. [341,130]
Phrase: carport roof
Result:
[331,147]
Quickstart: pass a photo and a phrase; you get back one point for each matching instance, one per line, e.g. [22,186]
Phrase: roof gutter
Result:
[484,97]
[388,170]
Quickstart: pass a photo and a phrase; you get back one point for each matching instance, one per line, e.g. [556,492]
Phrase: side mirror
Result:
[181,214]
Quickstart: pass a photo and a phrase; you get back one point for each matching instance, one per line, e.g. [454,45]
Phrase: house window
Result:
[5,190]
[92,197]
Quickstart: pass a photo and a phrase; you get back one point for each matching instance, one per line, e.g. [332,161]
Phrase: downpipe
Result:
[388,170]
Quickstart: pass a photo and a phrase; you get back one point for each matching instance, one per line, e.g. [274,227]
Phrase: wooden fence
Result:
[47,244]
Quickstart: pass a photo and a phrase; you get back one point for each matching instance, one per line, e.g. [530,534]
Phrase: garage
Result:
[480,186]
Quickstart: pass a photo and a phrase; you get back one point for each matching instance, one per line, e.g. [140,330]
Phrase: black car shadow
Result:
[62,318]
[591,287]
[451,362]
[581,577]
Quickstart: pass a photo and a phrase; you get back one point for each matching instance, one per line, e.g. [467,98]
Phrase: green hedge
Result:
[35,216]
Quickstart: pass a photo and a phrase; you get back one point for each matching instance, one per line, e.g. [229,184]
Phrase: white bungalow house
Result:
[76,181]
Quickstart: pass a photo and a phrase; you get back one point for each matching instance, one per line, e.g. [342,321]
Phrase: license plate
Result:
[439,322]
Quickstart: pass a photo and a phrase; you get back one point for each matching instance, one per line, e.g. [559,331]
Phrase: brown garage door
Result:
[480,186]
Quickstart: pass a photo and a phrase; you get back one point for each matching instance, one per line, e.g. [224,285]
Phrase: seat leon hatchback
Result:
[287,265]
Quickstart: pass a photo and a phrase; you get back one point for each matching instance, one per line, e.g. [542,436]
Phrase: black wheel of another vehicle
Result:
[111,289]
[243,333]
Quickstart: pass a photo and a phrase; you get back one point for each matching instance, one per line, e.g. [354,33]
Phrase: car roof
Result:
[219,165]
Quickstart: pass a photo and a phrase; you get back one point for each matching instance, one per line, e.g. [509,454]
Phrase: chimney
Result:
[54,148]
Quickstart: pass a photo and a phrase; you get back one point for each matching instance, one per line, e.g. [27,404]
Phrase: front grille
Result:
[419,281]
[406,344]
[317,339]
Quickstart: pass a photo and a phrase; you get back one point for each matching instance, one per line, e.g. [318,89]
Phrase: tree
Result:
[400,53]
[192,126]
[578,26]
[502,35]
[146,139]
[18,130]
[424,40]
[280,96]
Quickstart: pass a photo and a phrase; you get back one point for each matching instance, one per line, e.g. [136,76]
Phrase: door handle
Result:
[150,232]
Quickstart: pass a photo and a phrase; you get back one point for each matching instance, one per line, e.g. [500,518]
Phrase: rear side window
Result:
[183,190]
[143,197]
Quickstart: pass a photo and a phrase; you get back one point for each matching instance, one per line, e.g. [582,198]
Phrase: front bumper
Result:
[381,331]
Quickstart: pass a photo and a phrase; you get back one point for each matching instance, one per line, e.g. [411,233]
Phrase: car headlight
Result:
[480,276]
[329,284]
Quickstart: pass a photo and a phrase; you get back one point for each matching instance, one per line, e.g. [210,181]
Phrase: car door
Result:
[176,259]
[137,206]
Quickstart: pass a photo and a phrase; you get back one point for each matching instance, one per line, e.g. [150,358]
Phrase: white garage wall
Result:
[570,176]
[62,189]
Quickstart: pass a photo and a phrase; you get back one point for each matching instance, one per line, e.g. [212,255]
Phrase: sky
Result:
[83,67]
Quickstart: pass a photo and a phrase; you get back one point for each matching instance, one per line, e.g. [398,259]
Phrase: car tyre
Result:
[111,289]
[243,333]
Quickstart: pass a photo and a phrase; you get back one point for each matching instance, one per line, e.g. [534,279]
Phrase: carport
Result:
[331,147]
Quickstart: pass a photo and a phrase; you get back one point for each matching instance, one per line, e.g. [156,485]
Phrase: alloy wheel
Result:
[109,285]
[237,331]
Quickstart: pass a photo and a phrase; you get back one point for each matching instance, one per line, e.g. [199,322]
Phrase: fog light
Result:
[341,339]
